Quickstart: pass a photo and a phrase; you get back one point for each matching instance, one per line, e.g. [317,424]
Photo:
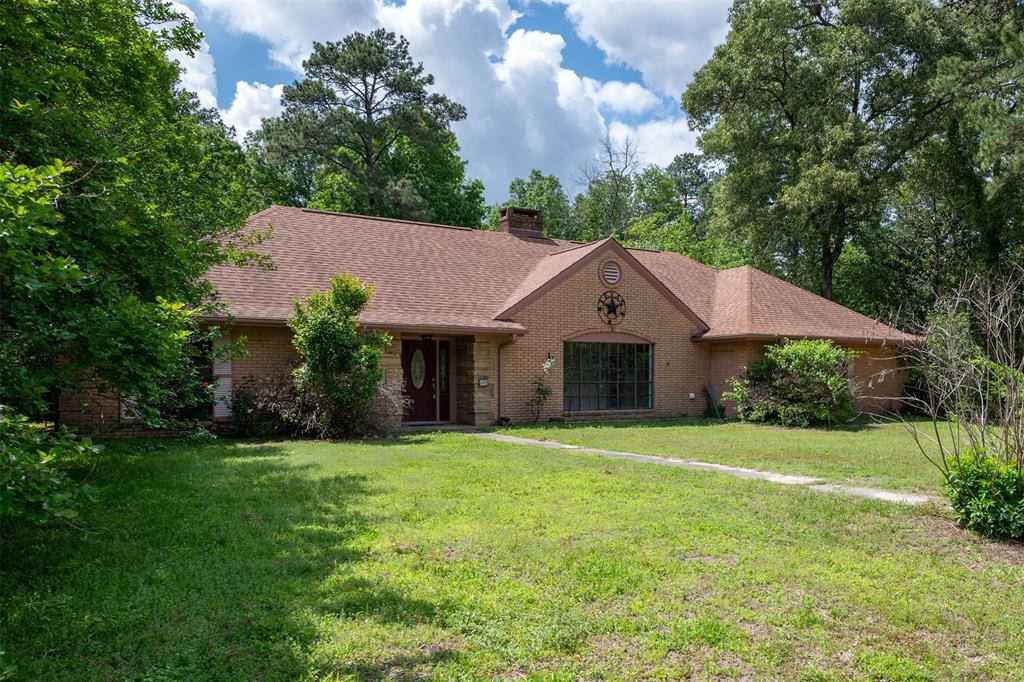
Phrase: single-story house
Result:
[473,316]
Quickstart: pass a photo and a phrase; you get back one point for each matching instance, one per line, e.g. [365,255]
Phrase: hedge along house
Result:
[473,316]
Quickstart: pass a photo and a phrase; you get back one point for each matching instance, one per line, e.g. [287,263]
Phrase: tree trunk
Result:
[827,268]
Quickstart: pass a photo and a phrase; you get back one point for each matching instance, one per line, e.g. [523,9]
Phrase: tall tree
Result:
[151,193]
[668,205]
[380,140]
[693,181]
[605,207]
[540,192]
[814,108]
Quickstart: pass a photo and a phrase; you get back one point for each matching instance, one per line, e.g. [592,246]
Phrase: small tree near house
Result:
[340,372]
[337,389]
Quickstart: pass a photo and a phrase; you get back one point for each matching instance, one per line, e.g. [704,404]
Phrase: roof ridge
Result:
[573,248]
[345,214]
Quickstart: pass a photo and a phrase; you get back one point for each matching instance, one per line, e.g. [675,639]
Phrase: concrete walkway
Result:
[815,484]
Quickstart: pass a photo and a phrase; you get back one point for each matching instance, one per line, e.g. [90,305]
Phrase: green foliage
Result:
[362,133]
[33,485]
[871,148]
[797,383]
[987,495]
[104,255]
[340,369]
[605,208]
[539,192]
[666,233]
[813,109]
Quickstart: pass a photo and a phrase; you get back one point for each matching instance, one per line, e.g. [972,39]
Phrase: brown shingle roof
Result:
[435,276]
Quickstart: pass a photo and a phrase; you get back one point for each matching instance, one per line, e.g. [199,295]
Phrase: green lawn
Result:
[865,452]
[447,556]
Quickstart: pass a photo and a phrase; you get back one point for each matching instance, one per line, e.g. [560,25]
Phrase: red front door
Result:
[426,368]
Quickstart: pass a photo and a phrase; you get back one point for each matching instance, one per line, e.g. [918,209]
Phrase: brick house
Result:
[473,315]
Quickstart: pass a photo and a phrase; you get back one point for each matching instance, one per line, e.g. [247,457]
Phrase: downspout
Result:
[501,376]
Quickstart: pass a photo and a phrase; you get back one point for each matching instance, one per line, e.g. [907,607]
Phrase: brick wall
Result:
[269,350]
[570,309]
[729,360]
[878,378]
[89,410]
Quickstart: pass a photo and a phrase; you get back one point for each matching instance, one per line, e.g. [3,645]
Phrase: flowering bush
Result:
[541,390]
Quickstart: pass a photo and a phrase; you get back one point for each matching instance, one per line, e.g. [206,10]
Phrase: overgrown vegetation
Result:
[796,383]
[117,194]
[338,388]
[971,368]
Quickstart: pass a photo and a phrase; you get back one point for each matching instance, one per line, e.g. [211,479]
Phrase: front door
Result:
[425,366]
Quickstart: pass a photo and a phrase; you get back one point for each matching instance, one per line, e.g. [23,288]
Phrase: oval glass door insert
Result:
[418,369]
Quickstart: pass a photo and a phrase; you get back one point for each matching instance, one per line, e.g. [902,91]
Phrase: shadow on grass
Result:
[204,562]
[401,667]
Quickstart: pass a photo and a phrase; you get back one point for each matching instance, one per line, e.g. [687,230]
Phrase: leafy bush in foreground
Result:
[797,383]
[987,495]
[338,389]
[32,485]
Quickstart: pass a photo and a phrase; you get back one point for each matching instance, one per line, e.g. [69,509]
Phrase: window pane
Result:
[607,376]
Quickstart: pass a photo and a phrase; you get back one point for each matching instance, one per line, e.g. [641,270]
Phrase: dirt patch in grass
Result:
[969,546]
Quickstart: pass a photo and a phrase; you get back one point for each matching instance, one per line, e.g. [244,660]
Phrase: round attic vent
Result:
[610,273]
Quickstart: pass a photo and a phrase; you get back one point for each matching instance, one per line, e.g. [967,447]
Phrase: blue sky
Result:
[542,81]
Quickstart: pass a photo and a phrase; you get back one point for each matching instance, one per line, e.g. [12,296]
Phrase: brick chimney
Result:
[522,222]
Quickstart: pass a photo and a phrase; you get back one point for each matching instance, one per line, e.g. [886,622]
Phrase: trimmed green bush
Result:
[987,495]
[33,486]
[797,383]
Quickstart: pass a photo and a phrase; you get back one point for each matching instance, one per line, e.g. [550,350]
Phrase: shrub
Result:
[796,383]
[274,405]
[971,369]
[33,485]
[340,371]
[337,390]
[987,495]
[541,390]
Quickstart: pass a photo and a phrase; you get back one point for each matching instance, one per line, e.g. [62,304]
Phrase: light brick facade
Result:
[570,310]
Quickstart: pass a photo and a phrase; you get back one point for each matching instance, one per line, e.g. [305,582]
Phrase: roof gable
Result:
[557,266]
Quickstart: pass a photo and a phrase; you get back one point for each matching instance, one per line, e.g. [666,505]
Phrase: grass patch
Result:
[444,555]
[865,452]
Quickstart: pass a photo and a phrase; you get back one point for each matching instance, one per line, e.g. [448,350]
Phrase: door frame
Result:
[452,384]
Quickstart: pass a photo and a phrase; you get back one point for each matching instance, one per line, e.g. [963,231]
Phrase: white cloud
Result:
[291,26]
[198,73]
[665,41]
[253,102]
[659,140]
[622,98]
[525,110]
